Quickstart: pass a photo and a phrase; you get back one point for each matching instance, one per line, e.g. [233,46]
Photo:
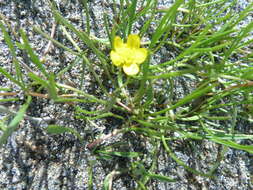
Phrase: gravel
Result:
[32,159]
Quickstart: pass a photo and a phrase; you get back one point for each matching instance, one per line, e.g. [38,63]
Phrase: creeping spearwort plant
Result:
[187,96]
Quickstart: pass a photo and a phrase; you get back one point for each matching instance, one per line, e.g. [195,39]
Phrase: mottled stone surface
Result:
[34,160]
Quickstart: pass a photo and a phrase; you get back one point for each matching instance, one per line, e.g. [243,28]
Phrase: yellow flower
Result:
[128,55]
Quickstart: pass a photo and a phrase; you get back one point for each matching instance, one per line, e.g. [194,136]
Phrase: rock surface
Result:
[32,159]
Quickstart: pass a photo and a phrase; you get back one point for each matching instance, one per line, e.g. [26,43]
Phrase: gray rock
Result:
[32,159]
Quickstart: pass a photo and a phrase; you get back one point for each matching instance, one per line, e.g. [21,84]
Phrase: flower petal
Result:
[131,69]
[133,41]
[140,55]
[118,43]
[116,58]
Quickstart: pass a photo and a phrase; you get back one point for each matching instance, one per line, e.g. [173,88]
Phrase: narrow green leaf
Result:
[131,16]
[160,177]
[104,115]
[13,53]
[181,163]
[90,174]
[150,96]
[52,87]
[248,74]
[35,59]
[38,79]
[83,36]
[56,130]
[86,95]
[248,148]
[166,23]
[209,3]
[13,125]
[120,154]
[86,39]
[172,74]
[9,99]
[36,29]
[87,14]
[197,93]
[244,32]
[10,77]
[7,39]
[224,136]
[211,49]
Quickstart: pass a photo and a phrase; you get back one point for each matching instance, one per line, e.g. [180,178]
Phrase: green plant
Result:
[209,49]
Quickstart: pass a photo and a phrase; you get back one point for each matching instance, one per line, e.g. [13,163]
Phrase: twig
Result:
[95,143]
[248,84]
[8,93]
[229,88]
[124,106]
[49,45]
[35,94]
[35,119]
[110,177]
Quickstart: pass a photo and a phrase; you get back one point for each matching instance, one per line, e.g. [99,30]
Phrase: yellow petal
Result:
[133,41]
[140,55]
[118,43]
[131,69]
[116,58]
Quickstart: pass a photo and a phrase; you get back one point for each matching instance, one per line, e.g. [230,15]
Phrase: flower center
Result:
[127,54]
